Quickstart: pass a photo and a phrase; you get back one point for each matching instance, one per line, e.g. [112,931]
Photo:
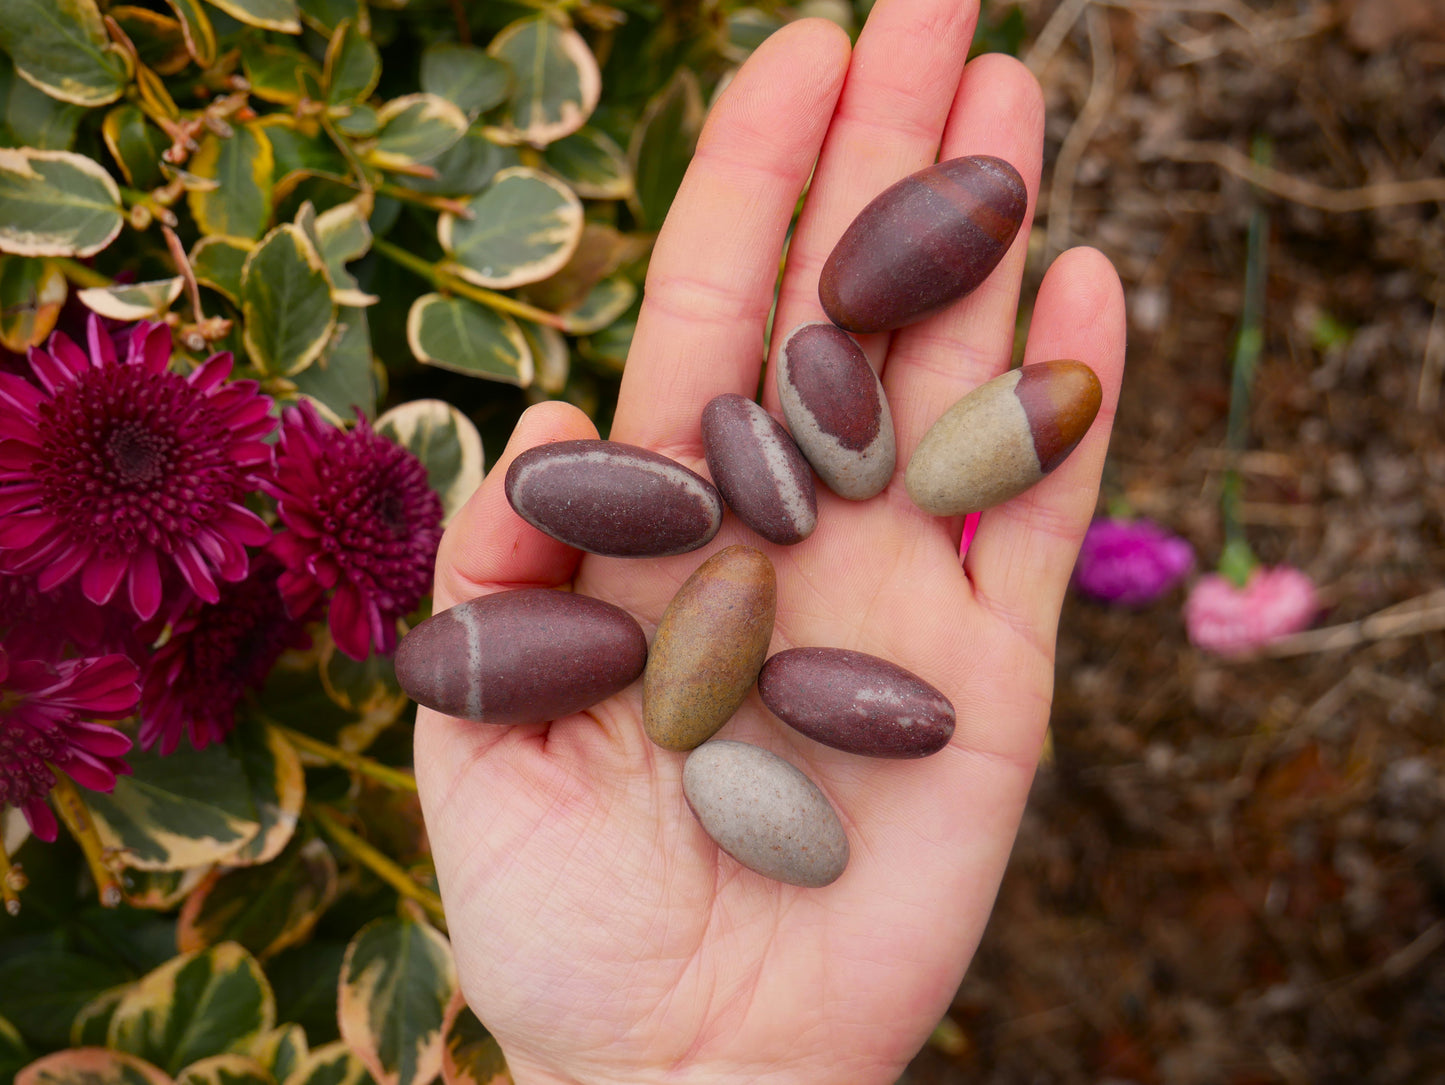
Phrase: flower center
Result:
[137,454]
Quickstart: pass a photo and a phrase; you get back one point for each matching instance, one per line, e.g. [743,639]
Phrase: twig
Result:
[1423,614]
[75,814]
[396,779]
[1053,34]
[12,881]
[448,283]
[380,865]
[1096,105]
[1427,392]
[1297,190]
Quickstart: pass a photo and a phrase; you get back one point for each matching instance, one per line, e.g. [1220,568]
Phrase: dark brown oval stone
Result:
[856,702]
[610,498]
[761,473]
[524,656]
[922,243]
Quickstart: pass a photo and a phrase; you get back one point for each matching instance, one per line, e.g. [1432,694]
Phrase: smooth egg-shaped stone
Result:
[922,243]
[709,646]
[1004,436]
[610,498]
[835,407]
[856,702]
[523,656]
[765,813]
[759,470]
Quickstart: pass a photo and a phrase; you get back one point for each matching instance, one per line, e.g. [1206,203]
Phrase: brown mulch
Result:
[1234,872]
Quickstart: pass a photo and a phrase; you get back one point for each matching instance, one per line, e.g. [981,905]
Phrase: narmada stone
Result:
[709,646]
[759,470]
[923,243]
[1004,436]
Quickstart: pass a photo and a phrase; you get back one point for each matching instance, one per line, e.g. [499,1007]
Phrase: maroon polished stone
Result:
[610,498]
[761,473]
[922,243]
[524,656]
[856,702]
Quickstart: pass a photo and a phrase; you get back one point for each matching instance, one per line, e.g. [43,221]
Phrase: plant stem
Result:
[380,865]
[396,779]
[79,274]
[73,811]
[451,284]
[12,881]
[423,199]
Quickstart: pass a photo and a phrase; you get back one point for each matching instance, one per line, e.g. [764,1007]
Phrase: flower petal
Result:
[151,345]
[350,622]
[145,583]
[103,575]
[211,372]
[42,821]
[197,575]
[18,532]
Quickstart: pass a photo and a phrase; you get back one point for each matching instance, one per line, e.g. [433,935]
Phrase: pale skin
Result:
[598,932]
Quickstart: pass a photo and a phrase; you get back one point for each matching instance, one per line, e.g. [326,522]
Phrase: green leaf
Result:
[187,809]
[54,203]
[592,164]
[278,789]
[467,167]
[396,982]
[344,377]
[276,71]
[133,301]
[159,40]
[92,1066]
[604,303]
[281,1050]
[523,229]
[282,15]
[32,293]
[343,234]
[264,908]
[42,991]
[608,348]
[460,335]
[366,687]
[415,128]
[324,16]
[196,26]
[551,360]
[40,121]
[13,1051]
[446,442]
[662,145]
[358,120]
[470,1054]
[466,76]
[305,981]
[331,1064]
[241,165]
[159,890]
[136,145]
[286,303]
[557,81]
[92,1021]
[62,48]
[225,1070]
[353,65]
[217,262]
[194,1006]
[297,146]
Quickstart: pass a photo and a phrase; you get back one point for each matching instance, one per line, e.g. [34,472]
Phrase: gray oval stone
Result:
[856,702]
[758,468]
[835,407]
[523,656]
[615,499]
[765,813]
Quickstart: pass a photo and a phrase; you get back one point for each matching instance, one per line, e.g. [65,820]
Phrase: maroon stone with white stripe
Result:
[761,473]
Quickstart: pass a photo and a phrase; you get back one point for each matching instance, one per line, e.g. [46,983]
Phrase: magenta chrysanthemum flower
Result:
[47,724]
[215,655]
[364,523]
[1130,562]
[1230,620]
[121,470]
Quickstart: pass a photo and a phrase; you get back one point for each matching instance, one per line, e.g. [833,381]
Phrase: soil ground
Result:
[1234,872]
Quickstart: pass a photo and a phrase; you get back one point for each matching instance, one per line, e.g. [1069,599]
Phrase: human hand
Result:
[599,933]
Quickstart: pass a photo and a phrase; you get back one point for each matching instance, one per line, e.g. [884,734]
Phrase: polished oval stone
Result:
[610,498]
[1004,436]
[765,813]
[523,656]
[922,243]
[834,404]
[759,470]
[708,648]
[856,702]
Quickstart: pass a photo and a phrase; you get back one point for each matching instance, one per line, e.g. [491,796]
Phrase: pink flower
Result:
[123,472]
[1228,620]
[1130,562]
[47,715]
[364,523]
[215,655]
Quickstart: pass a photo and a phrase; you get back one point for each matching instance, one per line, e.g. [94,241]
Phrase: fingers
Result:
[488,546]
[710,282]
[1024,552]
[889,123]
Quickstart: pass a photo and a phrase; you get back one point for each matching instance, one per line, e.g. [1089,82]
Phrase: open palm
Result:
[599,933]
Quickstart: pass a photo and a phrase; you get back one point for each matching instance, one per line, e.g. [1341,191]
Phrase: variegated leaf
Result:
[217,263]
[196,26]
[331,1064]
[282,15]
[242,165]
[278,788]
[54,203]
[286,302]
[32,293]
[590,161]
[604,303]
[460,335]
[136,145]
[61,47]
[133,301]
[556,81]
[281,1050]
[523,228]
[230,1069]
[466,76]
[662,145]
[551,358]
[470,1054]
[415,129]
[353,65]
[446,442]
[92,1066]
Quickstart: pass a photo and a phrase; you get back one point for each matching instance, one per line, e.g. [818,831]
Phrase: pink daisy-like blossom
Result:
[215,654]
[1230,620]
[47,725]
[1130,562]
[121,471]
[363,523]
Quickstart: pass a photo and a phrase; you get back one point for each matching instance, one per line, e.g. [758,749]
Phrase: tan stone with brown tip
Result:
[709,646]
